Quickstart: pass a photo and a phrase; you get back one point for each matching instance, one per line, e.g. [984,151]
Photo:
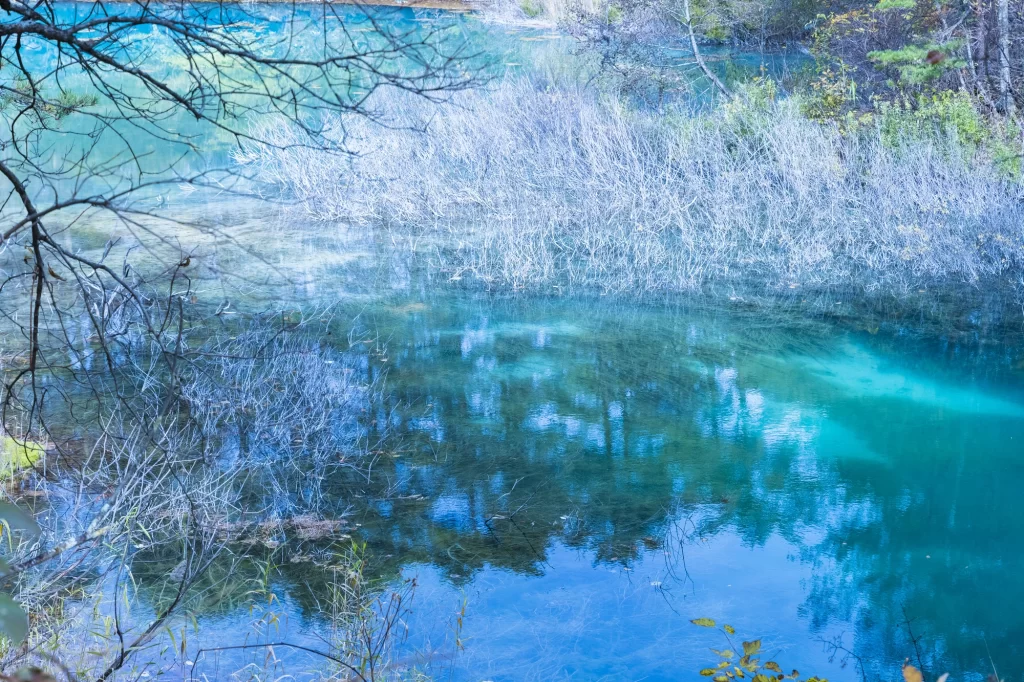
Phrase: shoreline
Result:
[449,5]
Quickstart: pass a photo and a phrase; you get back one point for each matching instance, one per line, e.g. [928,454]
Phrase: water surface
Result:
[589,475]
[586,476]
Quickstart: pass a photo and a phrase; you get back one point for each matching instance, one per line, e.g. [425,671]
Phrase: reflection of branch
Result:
[994,677]
[284,645]
[913,639]
[56,551]
[512,520]
[681,527]
[836,648]
[193,568]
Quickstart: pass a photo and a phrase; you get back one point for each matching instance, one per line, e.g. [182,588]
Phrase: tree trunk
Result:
[981,34]
[1005,94]
[700,60]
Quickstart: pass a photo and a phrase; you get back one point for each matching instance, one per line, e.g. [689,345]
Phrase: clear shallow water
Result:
[486,49]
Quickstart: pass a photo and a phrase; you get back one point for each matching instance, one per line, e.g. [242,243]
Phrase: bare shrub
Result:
[285,411]
[535,187]
[143,494]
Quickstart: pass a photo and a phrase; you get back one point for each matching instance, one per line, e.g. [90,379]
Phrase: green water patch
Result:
[857,372]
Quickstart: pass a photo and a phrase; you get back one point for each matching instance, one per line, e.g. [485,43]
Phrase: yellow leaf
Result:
[912,674]
[739,673]
[708,672]
[721,678]
[751,648]
[703,622]
[761,677]
[773,666]
[729,629]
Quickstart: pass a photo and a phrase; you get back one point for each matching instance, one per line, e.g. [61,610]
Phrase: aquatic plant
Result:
[158,488]
[528,186]
[362,620]
[732,665]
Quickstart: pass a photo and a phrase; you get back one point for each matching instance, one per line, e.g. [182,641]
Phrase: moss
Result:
[891,5]
[15,456]
[531,8]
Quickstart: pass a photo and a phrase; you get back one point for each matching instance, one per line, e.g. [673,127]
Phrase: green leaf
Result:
[751,648]
[725,653]
[761,677]
[13,619]
[16,519]
[729,629]
[721,678]
[703,622]
[773,666]
[708,672]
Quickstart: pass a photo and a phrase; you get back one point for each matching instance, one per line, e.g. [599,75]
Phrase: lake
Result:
[586,475]
[570,479]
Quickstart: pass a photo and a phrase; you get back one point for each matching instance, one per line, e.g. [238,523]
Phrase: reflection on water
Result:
[589,475]
[594,475]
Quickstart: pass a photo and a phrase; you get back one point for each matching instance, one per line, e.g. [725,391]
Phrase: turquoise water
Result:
[595,475]
[586,476]
[485,49]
